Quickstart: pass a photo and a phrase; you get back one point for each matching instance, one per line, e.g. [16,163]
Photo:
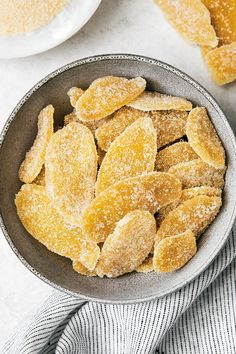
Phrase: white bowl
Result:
[72,18]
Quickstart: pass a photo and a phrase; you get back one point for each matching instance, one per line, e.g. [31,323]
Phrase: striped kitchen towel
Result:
[198,319]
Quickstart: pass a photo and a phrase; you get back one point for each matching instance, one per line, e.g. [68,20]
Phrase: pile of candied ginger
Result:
[129,182]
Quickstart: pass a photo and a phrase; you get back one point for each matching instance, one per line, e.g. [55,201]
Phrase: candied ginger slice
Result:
[121,119]
[197,173]
[222,63]
[195,214]
[71,168]
[128,246]
[35,157]
[203,138]
[188,194]
[155,101]
[174,252]
[81,269]
[107,94]
[170,126]
[146,266]
[174,154]
[43,222]
[223,19]
[40,179]
[147,192]
[132,153]
[74,94]
[191,19]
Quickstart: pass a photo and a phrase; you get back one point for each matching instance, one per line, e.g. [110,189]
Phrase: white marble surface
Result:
[119,26]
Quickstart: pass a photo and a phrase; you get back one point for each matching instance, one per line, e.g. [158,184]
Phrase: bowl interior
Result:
[20,132]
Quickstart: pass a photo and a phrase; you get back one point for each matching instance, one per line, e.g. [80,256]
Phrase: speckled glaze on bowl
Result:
[18,135]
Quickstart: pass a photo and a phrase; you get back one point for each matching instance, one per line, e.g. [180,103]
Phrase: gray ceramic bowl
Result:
[18,135]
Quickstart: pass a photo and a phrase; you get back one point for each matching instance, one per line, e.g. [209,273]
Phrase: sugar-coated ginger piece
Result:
[74,94]
[35,157]
[174,252]
[81,269]
[203,138]
[92,125]
[40,179]
[188,193]
[195,214]
[147,192]
[71,168]
[155,101]
[197,173]
[131,154]
[107,94]
[128,246]
[170,126]
[223,15]
[146,266]
[120,120]
[174,154]
[191,19]
[222,63]
[43,222]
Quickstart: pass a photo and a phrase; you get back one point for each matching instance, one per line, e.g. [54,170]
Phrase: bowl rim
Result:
[180,74]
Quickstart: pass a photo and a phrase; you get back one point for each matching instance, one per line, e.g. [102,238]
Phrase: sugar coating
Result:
[120,120]
[147,192]
[132,153]
[74,94]
[107,94]
[152,101]
[174,252]
[223,15]
[196,191]
[40,179]
[203,138]
[174,154]
[81,269]
[194,214]
[43,222]
[71,168]
[35,157]
[222,63]
[170,126]
[188,193]
[197,173]
[191,19]
[146,266]
[128,246]
[22,16]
